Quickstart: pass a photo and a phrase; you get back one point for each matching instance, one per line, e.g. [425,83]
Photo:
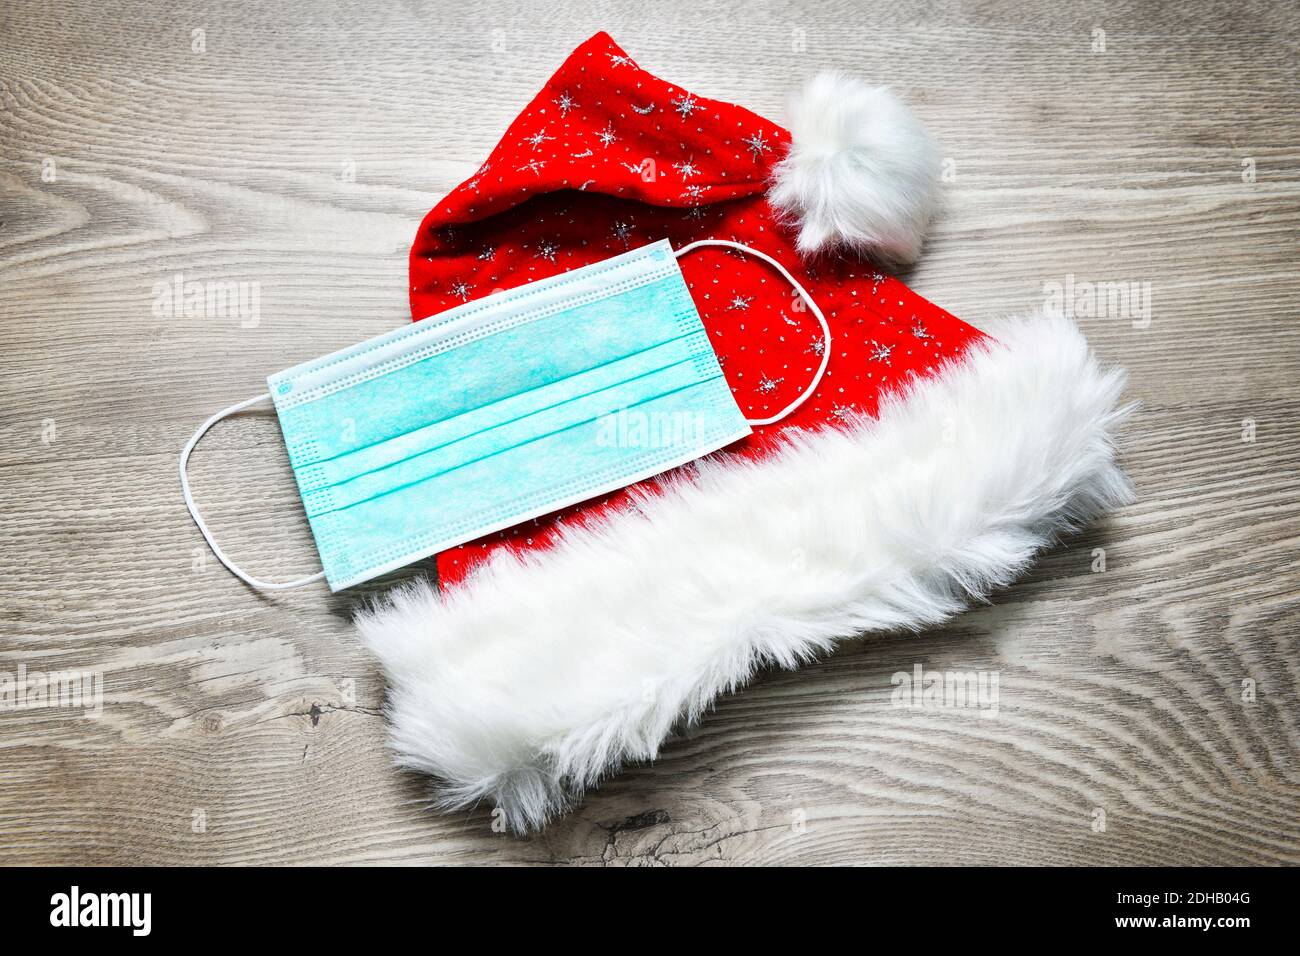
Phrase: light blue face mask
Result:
[501,410]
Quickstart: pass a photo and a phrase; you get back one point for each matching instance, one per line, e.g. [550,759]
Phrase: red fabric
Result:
[608,157]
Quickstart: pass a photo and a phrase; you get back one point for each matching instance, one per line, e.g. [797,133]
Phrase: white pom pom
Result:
[862,172]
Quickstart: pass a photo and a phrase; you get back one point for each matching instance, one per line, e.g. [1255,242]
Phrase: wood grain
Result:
[239,728]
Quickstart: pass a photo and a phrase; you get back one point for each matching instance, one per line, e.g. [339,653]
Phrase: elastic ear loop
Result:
[198,519]
[812,306]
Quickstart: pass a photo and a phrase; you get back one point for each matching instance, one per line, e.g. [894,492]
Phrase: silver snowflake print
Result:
[881,353]
[843,412]
[565,102]
[607,135]
[692,193]
[637,168]
[537,139]
[643,110]
[756,145]
[534,166]
[766,386]
[918,330]
[547,250]
[687,169]
[616,59]
[472,184]
[876,279]
[583,155]
[623,232]
[685,105]
[487,253]
[818,347]
[740,302]
[461,290]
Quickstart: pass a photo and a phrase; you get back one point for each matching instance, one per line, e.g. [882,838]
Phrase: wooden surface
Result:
[241,728]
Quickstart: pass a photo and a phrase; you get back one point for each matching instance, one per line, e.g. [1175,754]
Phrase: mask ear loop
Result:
[803,293]
[198,519]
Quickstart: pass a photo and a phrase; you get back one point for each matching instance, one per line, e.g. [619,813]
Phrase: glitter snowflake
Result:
[766,386]
[918,330]
[756,145]
[740,302]
[685,105]
[843,412]
[583,155]
[618,60]
[687,169]
[534,166]
[692,193]
[607,135]
[643,110]
[623,232]
[881,353]
[537,139]
[461,290]
[565,102]
[547,250]
[487,253]
[818,347]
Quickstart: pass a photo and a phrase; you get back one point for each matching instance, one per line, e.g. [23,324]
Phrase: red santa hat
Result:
[929,467]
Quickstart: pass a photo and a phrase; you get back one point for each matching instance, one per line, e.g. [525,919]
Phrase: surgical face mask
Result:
[501,410]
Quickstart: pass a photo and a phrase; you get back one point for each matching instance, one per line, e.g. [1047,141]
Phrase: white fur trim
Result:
[862,172]
[541,674]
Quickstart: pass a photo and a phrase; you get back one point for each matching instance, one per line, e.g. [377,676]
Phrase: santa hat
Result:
[928,468]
